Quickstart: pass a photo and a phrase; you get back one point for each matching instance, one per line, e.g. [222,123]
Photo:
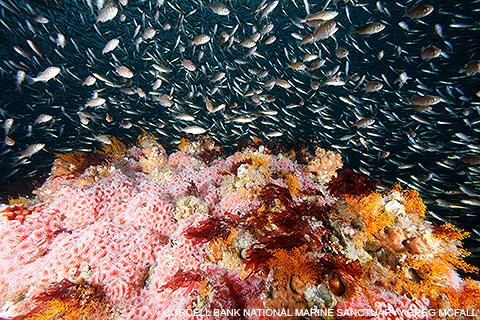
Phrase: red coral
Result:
[192,189]
[257,259]
[288,221]
[241,292]
[285,242]
[313,209]
[271,192]
[184,279]
[349,182]
[208,156]
[209,229]
[233,169]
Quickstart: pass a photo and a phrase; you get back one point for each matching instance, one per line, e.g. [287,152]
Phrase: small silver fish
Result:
[43,118]
[268,9]
[426,100]
[430,52]
[189,65]
[9,141]
[334,81]
[89,81]
[364,122]
[402,79]
[472,67]
[60,40]
[103,139]
[157,84]
[165,100]
[110,46]
[41,19]
[219,8]
[108,13]
[46,75]
[201,39]
[149,33]
[20,77]
[95,102]
[320,15]
[274,134]
[7,125]
[420,11]
[31,150]
[373,86]
[124,72]
[126,124]
[194,130]
[185,117]
[325,31]
[370,29]
[341,53]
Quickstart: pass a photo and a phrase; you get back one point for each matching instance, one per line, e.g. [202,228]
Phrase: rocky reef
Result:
[131,232]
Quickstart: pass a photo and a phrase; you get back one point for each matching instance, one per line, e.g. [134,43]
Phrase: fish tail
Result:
[29,80]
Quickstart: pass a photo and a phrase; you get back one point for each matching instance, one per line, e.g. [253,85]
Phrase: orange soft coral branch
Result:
[116,150]
[456,261]
[414,204]
[449,232]
[293,262]
[292,181]
[70,301]
[371,211]
[70,163]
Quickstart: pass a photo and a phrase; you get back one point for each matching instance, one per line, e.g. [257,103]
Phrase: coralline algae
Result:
[135,233]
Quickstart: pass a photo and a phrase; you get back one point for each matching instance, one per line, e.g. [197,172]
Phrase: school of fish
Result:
[393,86]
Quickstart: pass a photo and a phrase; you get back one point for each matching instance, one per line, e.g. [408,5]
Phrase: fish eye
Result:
[431,100]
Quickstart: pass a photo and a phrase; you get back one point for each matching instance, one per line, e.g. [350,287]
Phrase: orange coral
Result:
[146,140]
[69,301]
[197,145]
[292,181]
[430,276]
[183,145]
[251,172]
[154,155]
[439,295]
[226,254]
[220,246]
[115,150]
[414,204]
[18,200]
[449,232]
[70,163]
[261,163]
[371,211]
[287,263]
[455,259]
[68,310]
[469,296]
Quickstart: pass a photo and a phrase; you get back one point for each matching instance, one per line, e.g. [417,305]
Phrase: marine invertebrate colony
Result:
[140,234]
